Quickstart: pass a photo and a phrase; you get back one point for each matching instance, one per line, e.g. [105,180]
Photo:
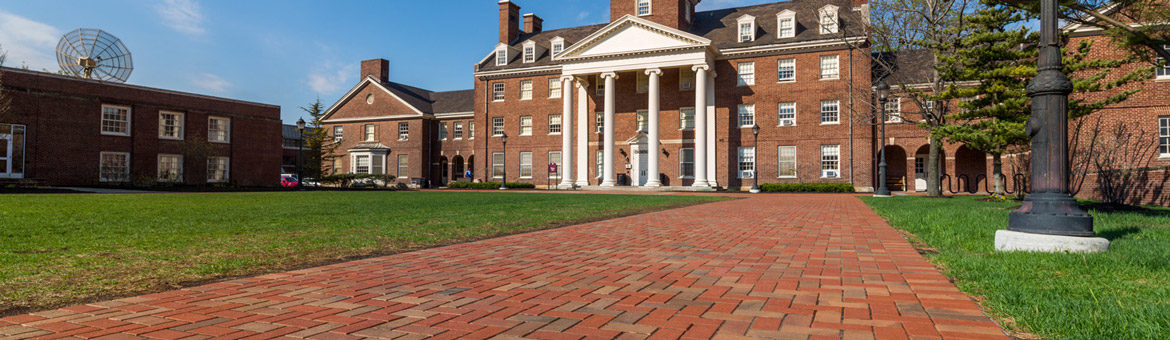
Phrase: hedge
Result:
[346,180]
[488,185]
[806,187]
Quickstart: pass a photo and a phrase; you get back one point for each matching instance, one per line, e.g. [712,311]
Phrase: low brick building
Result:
[69,131]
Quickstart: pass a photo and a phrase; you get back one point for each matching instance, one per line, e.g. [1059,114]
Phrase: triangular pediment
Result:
[632,35]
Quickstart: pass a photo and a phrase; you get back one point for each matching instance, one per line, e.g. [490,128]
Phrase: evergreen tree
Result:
[319,147]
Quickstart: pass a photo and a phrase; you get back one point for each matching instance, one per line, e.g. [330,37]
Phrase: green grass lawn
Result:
[1121,294]
[62,249]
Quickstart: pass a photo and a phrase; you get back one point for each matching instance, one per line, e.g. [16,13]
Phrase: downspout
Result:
[851,179]
[486,154]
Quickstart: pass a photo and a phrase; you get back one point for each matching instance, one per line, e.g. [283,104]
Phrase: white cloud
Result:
[28,43]
[582,16]
[331,78]
[182,15]
[211,82]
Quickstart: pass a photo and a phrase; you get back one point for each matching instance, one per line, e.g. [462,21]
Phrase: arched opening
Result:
[920,168]
[896,178]
[443,170]
[971,165]
[457,167]
[471,166]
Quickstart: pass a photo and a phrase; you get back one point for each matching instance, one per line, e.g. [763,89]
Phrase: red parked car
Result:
[289,181]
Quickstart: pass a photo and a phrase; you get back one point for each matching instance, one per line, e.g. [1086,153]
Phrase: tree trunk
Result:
[997,172]
[933,169]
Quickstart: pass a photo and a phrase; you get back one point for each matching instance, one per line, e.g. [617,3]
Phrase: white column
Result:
[700,126]
[582,133]
[566,166]
[712,175]
[608,179]
[652,136]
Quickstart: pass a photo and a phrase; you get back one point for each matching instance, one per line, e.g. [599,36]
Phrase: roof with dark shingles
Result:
[905,67]
[433,102]
[720,26]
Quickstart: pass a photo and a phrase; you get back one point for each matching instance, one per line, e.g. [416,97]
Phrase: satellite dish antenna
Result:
[94,54]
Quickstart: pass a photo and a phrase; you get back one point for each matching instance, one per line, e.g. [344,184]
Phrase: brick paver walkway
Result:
[772,266]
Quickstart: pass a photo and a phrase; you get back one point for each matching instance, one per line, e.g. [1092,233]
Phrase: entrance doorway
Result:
[640,159]
[11,151]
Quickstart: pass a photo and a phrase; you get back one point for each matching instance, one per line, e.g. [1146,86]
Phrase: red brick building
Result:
[76,132]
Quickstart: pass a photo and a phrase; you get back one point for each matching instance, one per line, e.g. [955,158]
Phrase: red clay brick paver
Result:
[771,266]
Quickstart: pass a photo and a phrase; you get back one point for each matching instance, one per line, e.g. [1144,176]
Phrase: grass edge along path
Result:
[61,250]
[1120,294]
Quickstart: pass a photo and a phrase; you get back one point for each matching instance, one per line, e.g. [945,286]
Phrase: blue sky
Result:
[286,52]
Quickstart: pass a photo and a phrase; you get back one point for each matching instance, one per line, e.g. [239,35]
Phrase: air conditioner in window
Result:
[787,122]
[830,173]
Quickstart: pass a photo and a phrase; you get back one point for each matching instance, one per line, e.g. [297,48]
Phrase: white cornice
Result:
[570,53]
[373,118]
[733,52]
[520,71]
[454,115]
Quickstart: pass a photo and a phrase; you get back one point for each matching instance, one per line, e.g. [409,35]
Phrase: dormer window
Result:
[828,19]
[747,28]
[558,45]
[502,56]
[643,7]
[529,52]
[786,24]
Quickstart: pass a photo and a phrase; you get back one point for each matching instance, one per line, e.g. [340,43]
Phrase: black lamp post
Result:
[504,182]
[300,150]
[1049,219]
[883,93]
[755,161]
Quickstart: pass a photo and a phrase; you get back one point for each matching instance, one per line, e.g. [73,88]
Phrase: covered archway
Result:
[471,166]
[896,178]
[443,170]
[971,166]
[457,167]
[920,169]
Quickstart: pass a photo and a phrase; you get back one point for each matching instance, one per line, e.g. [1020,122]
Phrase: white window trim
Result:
[503,92]
[503,165]
[181,124]
[836,75]
[822,113]
[102,178]
[1161,155]
[649,8]
[457,131]
[785,15]
[400,131]
[560,88]
[560,126]
[781,61]
[1164,68]
[501,61]
[337,138]
[558,41]
[503,126]
[227,134]
[227,173]
[894,116]
[751,108]
[529,52]
[159,169]
[680,163]
[520,162]
[443,132]
[530,123]
[398,166]
[795,163]
[739,160]
[129,120]
[780,121]
[822,164]
[751,22]
[370,136]
[530,89]
[681,126]
[832,12]
[739,77]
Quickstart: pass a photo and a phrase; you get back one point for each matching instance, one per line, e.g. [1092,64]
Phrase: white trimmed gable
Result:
[369,81]
[828,19]
[631,35]
[746,28]
[785,24]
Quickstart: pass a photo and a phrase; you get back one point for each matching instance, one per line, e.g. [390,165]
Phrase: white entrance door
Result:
[11,151]
[920,172]
[639,160]
[5,155]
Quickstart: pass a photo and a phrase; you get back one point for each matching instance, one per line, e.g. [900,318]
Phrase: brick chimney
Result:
[532,23]
[378,68]
[509,21]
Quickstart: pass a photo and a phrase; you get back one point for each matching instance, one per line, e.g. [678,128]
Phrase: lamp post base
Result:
[883,196]
[1051,214]
[1007,241]
[754,190]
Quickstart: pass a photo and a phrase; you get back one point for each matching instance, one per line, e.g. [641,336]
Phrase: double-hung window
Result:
[554,88]
[686,117]
[219,129]
[526,90]
[361,164]
[554,124]
[600,121]
[471,130]
[786,70]
[686,163]
[1162,67]
[558,45]
[786,24]
[369,130]
[115,120]
[501,57]
[643,7]
[830,112]
[525,125]
[457,130]
[894,110]
[828,19]
[747,162]
[600,157]
[747,115]
[1164,136]
[746,32]
[497,126]
[830,68]
[498,92]
[442,131]
[786,114]
[830,161]
[497,165]
[787,155]
[686,79]
[526,164]
[554,157]
[170,168]
[170,125]
[115,167]
[403,131]
[747,74]
[529,53]
[640,117]
[218,169]
[337,134]
[403,166]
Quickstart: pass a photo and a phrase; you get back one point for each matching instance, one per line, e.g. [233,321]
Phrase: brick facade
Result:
[63,119]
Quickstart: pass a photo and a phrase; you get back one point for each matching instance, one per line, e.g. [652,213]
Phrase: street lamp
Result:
[1049,219]
[300,150]
[755,166]
[504,182]
[883,93]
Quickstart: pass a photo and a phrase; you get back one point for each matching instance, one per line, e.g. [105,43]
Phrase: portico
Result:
[640,46]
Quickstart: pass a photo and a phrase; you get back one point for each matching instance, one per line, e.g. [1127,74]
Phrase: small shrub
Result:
[807,187]
[348,180]
[488,185]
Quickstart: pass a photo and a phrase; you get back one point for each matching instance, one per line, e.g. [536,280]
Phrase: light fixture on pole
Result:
[883,93]
[1049,219]
[504,181]
[755,173]
[300,150]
